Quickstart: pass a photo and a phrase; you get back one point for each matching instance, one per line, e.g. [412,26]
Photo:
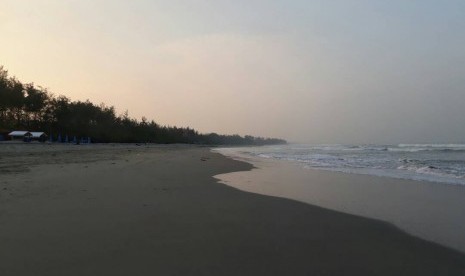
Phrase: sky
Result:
[340,71]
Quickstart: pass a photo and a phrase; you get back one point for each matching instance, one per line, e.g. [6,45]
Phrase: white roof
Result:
[18,133]
[37,134]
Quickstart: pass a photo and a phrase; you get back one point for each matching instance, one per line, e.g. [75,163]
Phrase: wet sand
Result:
[433,211]
[157,210]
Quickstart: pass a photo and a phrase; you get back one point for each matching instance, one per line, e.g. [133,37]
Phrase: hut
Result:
[39,136]
[20,135]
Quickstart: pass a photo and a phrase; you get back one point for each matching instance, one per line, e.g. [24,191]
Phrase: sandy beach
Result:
[157,210]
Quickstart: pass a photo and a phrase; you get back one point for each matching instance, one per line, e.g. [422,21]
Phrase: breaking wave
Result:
[443,163]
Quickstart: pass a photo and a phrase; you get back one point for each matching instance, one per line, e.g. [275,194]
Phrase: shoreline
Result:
[159,211]
[429,210]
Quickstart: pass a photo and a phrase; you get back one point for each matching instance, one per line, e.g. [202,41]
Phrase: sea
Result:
[441,163]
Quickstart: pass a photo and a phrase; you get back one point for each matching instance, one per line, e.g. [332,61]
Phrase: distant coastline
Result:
[27,107]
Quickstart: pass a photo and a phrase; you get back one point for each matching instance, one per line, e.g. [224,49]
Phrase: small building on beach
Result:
[39,136]
[20,135]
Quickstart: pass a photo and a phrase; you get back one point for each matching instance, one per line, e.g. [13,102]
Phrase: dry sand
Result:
[157,210]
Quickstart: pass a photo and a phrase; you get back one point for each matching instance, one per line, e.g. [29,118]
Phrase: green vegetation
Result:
[33,108]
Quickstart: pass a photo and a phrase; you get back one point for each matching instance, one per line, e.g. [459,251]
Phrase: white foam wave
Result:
[432,162]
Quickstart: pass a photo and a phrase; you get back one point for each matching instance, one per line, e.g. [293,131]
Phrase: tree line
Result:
[25,106]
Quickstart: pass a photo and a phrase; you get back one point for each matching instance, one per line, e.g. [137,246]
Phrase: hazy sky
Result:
[324,71]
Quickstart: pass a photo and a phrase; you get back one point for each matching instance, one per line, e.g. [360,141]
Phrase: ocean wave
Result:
[430,170]
[392,148]
[383,148]
[431,146]
[431,162]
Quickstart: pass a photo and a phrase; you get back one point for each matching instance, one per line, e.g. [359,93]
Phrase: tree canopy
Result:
[29,107]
